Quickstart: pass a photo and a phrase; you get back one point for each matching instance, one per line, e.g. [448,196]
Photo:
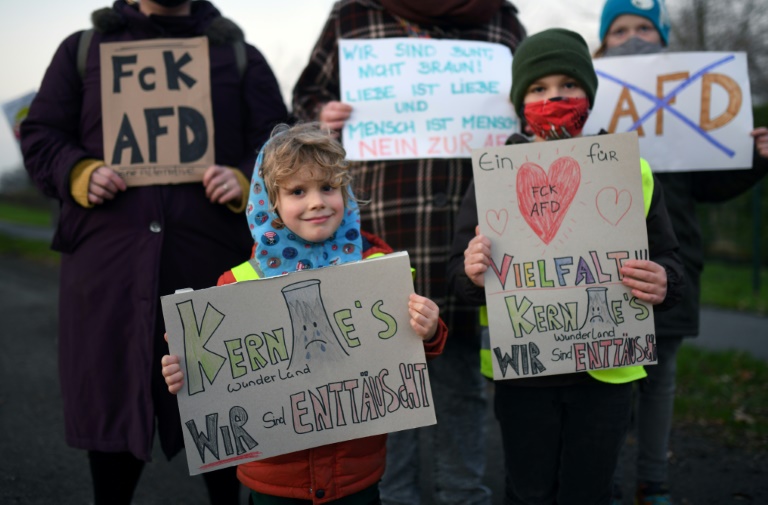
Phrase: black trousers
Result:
[561,444]
[116,474]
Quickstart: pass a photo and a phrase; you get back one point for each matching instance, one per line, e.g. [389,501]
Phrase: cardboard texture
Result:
[156,110]
[562,216]
[287,363]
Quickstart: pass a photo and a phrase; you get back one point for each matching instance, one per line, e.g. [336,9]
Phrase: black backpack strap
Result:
[240,59]
[82,51]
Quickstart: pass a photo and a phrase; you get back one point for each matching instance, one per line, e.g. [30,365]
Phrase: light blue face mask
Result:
[280,251]
[633,47]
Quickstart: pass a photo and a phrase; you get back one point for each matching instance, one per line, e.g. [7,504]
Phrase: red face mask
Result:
[557,118]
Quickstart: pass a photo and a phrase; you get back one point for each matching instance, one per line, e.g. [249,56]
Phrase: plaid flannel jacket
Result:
[413,203]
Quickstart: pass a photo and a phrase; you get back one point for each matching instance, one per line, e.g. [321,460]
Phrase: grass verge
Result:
[729,286]
[723,394]
[22,214]
[34,250]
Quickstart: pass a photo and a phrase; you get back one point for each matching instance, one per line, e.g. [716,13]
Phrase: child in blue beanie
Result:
[636,27]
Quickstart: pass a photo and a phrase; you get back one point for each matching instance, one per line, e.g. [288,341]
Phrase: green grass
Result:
[724,395]
[729,286]
[34,250]
[24,215]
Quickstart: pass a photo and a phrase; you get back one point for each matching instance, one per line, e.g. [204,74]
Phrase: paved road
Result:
[37,468]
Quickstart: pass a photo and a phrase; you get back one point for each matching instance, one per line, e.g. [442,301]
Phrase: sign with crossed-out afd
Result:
[691,111]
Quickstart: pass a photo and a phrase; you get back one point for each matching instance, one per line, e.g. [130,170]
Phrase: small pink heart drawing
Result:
[497,220]
[612,204]
[544,198]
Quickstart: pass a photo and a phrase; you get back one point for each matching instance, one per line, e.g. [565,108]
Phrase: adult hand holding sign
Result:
[104,185]
[222,186]
[334,114]
[761,140]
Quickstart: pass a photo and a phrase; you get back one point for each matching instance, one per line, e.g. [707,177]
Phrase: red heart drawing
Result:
[497,221]
[543,199]
[612,204]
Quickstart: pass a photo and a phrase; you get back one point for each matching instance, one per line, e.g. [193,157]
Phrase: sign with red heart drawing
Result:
[563,216]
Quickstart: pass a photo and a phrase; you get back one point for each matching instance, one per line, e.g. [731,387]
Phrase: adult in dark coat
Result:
[123,248]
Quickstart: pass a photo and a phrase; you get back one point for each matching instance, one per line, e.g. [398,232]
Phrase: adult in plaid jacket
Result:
[413,204]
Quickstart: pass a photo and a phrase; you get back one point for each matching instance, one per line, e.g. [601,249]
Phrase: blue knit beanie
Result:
[653,10]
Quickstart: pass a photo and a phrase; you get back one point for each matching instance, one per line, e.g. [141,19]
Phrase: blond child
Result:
[302,215]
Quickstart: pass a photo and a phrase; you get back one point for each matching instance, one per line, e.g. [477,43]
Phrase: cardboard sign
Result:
[424,98]
[156,110]
[691,111]
[562,216]
[282,364]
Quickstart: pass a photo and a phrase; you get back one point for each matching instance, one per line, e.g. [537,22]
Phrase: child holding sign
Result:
[300,187]
[630,28]
[562,433]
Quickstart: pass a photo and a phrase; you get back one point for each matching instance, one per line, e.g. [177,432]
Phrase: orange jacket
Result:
[328,472]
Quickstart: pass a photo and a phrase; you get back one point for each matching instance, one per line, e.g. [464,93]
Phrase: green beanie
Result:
[553,51]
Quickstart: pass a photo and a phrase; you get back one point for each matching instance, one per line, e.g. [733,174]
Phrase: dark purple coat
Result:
[120,257]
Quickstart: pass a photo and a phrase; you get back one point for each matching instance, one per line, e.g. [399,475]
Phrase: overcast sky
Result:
[285,31]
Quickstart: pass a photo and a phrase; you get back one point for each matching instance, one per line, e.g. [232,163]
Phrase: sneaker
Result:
[652,493]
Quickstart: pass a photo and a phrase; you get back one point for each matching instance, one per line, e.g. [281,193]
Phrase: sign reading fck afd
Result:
[156,108]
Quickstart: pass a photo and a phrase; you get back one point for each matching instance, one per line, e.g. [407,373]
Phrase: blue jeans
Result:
[561,444]
[458,439]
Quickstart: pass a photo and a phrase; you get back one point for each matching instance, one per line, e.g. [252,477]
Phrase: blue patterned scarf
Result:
[280,251]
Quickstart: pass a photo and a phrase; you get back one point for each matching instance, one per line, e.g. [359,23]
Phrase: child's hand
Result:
[761,140]
[424,316]
[174,377]
[648,280]
[477,258]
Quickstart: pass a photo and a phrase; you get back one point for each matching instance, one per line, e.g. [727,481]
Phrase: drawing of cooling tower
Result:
[598,313]
[314,340]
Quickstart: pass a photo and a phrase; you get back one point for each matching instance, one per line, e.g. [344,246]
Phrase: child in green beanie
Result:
[561,434]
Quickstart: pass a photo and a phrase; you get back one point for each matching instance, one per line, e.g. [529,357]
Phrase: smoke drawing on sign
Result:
[313,337]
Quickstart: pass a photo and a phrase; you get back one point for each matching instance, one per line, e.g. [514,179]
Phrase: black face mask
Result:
[169,3]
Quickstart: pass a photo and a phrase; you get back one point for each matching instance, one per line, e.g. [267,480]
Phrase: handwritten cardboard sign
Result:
[562,216]
[306,359]
[156,110]
[424,98]
[691,111]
